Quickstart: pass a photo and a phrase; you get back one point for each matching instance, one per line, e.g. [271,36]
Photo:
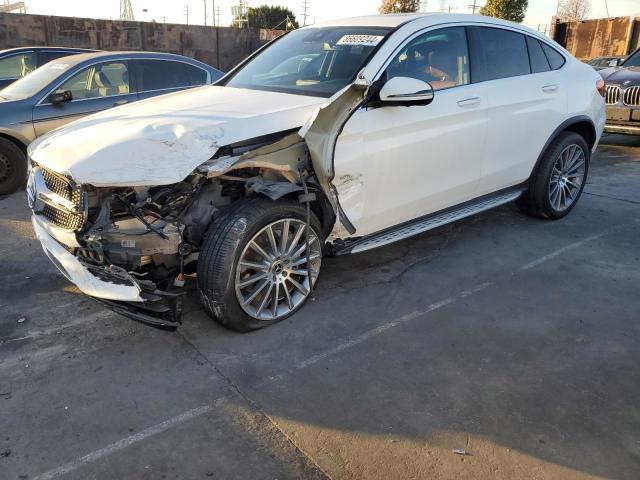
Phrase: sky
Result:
[174,11]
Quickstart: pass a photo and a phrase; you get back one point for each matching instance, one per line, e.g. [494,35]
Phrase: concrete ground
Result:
[513,339]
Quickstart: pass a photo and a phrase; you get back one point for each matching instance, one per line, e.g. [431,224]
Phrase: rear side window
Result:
[197,76]
[537,57]
[161,75]
[46,57]
[555,59]
[18,65]
[499,54]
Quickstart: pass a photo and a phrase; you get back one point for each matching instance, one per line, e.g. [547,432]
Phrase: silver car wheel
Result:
[567,177]
[271,278]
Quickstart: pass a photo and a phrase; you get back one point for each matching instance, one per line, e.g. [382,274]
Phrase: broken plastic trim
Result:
[160,309]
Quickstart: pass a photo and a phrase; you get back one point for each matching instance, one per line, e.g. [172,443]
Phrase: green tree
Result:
[270,16]
[399,6]
[513,10]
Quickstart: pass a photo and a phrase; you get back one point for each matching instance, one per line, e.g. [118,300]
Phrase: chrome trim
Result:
[417,33]
[622,129]
[612,94]
[429,223]
[38,194]
[631,96]
[420,95]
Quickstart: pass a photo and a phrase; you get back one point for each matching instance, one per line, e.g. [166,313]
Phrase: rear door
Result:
[157,77]
[93,88]
[527,100]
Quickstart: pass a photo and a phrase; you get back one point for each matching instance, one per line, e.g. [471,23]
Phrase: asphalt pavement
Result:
[497,347]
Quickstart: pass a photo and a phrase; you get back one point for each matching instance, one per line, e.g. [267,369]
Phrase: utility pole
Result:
[305,7]
[606,6]
[213,12]
[126,12]
[205,12]
[473,7]
[186,12]
[218,16]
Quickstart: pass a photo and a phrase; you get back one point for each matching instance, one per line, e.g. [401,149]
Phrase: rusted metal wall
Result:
[220,47]
[599,37]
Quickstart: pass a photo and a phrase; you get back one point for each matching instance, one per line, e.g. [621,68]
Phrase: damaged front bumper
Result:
[111,286]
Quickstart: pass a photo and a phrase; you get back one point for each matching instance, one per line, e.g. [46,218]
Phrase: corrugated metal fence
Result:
[598,38]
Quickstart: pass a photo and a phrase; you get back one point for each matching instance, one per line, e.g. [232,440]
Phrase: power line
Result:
[474,7]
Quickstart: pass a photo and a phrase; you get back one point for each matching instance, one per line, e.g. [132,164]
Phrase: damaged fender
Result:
[321,134]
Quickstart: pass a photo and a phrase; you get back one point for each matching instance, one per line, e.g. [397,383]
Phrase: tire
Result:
[556,184]
[221,274]
[13,167]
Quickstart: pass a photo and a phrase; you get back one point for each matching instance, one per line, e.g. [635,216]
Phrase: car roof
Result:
[85,57]
[38,49]
[393,20]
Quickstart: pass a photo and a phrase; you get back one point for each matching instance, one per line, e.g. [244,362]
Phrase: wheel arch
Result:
[582,125]
[16,141]
[321,207]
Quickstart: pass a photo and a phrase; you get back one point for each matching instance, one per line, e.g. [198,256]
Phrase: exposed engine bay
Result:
[151,236]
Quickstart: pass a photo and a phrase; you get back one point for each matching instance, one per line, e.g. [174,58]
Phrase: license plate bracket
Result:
[618,113]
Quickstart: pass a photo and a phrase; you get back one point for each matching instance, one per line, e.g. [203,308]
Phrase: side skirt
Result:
[431,221]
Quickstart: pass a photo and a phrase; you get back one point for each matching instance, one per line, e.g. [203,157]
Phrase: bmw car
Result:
[623,96]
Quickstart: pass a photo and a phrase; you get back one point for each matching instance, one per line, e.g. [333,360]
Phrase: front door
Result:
[397,163]
[93,89]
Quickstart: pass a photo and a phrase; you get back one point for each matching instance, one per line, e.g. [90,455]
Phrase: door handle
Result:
[550,88]
[469,102]
[120,102]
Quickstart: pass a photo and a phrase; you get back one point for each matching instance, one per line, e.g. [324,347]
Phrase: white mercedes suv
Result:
[333,139]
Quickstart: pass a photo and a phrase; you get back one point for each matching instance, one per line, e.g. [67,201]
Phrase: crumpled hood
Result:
[161,140]
[619,75]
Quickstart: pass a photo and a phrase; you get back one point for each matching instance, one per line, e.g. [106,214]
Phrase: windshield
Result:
[633,60]
[34,82]
[311,61]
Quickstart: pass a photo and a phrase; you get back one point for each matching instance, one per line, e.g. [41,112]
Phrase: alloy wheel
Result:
[567,177]
[272,278]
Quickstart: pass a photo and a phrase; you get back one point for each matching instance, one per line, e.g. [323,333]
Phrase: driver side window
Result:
[439,57]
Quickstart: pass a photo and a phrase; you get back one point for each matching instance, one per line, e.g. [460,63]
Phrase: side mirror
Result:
[406,91]
[615,62]
[60,96]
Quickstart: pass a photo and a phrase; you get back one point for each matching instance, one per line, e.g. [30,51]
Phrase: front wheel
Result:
[252,270]
[557,183]
[13,167]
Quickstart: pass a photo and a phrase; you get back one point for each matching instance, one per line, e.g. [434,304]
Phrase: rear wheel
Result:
[557,183]
[13,167]
[252,271]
